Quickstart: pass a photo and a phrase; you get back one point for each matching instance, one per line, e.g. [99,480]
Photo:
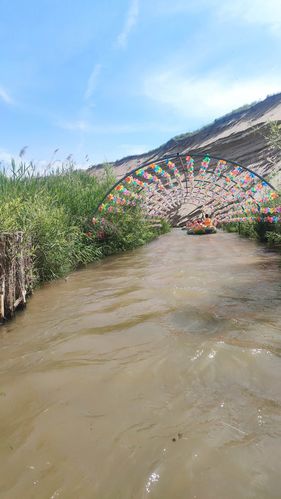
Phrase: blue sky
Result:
[110,78]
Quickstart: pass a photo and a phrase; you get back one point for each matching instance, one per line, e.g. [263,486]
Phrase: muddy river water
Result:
[154,374]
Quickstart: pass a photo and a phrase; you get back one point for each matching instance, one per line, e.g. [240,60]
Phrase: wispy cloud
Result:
[5,157]
[75,125]
[5,97]
[206,96]
[115,128]
[256,12]
[92,81]
[168,7]
[130,22]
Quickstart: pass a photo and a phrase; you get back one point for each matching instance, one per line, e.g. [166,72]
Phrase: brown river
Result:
[154,374]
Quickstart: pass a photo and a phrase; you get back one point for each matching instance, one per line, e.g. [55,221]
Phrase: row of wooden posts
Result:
[16,277]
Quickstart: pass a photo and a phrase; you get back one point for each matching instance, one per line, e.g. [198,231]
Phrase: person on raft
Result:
[207,222]
[198,223]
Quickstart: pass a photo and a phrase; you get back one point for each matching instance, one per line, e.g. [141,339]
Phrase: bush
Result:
[273,238]
[128,230]
[231,227]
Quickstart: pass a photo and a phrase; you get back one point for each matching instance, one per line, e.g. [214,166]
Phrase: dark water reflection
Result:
[153,374]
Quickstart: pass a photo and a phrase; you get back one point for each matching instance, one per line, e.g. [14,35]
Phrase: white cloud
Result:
[115,128]
[5,157]
[41,165]
[130,22]
[206,96]
[92,81]
[260,12]
[4,96]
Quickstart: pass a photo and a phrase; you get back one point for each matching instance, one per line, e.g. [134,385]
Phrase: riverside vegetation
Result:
[262,231]
[55,210]
[265,231]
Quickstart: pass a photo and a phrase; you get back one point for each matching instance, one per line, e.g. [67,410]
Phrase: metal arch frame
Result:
[206,181]
[163,159]
[210,199]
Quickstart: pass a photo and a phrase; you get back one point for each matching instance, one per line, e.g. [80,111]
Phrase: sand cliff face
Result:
[239,136]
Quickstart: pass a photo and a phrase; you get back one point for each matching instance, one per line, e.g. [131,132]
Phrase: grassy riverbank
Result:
[55,212]
[261,231]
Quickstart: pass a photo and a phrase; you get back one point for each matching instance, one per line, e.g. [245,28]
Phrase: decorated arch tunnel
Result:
[176,188]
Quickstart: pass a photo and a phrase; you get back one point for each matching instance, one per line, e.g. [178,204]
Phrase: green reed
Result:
[55,208]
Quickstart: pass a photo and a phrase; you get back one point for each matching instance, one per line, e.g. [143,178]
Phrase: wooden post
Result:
[2,299]
[16,279]
[10,272]
[20,292]
[2,277]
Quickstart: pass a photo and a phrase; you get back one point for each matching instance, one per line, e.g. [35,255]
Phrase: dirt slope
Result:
[238,136]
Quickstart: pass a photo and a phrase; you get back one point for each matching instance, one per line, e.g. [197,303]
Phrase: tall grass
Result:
[55,210]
